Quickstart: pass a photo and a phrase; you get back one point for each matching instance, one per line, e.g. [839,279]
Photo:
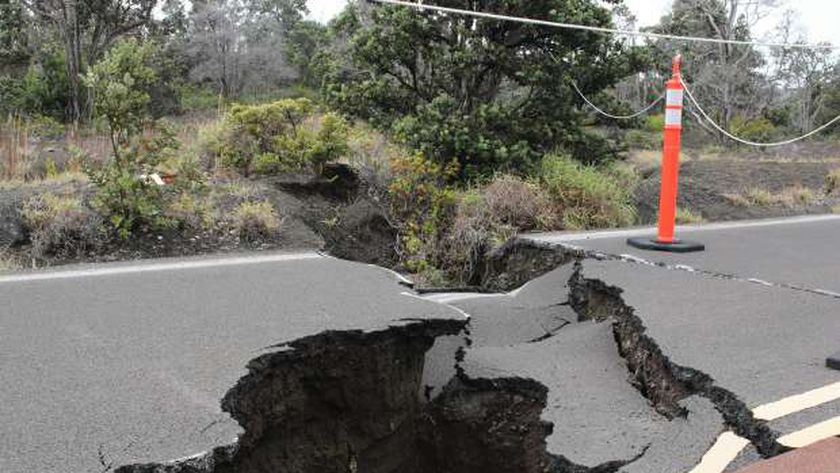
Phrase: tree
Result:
[86,29]
[493,94]
[13,34]
[726,76]
[237,47]
[120,82]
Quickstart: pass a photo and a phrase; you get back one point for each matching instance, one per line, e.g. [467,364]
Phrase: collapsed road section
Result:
[584,368]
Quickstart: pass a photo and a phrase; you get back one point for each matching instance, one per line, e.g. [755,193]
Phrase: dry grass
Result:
[61,226]
[255,221]
[794,196]
[15,156]
[832,182]
[7,261]
[688,217]
[836,209]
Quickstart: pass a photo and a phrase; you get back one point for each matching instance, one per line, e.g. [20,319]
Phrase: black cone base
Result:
[833,362]
[677,246]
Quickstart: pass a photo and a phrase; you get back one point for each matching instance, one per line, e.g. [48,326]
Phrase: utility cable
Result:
[600,29]
[729,135]
[617,117]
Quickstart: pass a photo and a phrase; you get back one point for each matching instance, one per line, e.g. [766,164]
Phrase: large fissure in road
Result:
[355,402]
[660,380]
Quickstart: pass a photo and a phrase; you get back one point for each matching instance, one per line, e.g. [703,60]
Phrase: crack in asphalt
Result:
[626,258]
[657,378]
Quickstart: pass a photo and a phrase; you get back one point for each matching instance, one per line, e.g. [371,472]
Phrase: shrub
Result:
[488,217]
[587,196]
[190,212]
[256,221]
[127,201]
[655,123]
[332,141]
[832,182]
[422,202]
[755,129]
[61,226]
[639,139]
[282,136]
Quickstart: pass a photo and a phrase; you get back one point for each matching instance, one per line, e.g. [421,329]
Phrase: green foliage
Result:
[281,136]
[655,123]
[456,88]
[422,201]
[120,83]
[640,139]
[586,196]
[126,200]
[61,226]
[755,129]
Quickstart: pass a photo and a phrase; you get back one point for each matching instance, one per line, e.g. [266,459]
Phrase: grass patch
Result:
[758,196]
[688,217]
[797,196]
[61,226]
[832,183]
[255,221]
[587,197]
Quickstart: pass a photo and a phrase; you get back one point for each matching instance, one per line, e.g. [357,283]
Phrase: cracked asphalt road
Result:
[121,363]
[759,311]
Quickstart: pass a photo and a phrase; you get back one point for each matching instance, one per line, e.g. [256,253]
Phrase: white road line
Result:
[797,403]
[813,434]
[568,237]
[109,270]
[723,452]
[425,299]
[450,297]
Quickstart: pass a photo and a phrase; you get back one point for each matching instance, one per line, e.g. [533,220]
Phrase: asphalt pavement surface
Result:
[114,364]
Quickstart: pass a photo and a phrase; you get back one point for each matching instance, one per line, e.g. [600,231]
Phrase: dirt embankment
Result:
[713,187]
[336,212]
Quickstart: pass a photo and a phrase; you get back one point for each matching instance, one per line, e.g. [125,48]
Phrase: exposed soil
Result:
[706,186]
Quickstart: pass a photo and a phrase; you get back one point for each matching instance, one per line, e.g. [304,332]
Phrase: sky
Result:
[818,17]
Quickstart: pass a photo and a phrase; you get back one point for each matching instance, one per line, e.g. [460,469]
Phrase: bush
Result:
[61,226]
[832,182]
[638,139]
[422,202]
[282,136]
[587,196]
[256,221]
[190,212]
[488,217]
[655,123]
[755,129]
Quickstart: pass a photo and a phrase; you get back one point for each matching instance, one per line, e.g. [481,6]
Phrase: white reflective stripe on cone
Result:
[675,97]
[673,116]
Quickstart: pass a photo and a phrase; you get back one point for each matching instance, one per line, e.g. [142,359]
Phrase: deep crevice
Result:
[354,401]
[660,380]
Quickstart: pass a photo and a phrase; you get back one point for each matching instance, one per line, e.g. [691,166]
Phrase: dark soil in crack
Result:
[661,381]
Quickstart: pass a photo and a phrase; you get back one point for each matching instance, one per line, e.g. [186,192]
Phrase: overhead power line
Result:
[729,135]
[617,117]
[599,29]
